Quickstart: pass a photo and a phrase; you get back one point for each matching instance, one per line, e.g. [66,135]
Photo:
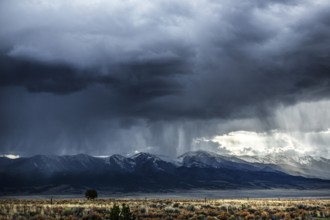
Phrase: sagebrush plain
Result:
[167,208]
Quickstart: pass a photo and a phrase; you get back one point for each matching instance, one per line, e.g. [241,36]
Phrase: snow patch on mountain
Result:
[10,156]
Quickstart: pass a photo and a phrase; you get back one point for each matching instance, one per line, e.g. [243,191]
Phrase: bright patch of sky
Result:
[302,129]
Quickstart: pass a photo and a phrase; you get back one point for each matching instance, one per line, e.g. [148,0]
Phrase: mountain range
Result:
[147,172]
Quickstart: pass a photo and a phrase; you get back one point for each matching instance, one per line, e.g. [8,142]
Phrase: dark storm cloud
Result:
[39,77]
[139,80]
[152,68]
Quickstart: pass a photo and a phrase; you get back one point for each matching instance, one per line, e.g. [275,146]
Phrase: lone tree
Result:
[91,194]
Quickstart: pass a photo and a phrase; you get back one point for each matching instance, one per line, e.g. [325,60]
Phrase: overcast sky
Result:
[122,76]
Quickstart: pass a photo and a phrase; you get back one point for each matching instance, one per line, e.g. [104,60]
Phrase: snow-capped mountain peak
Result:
[205,159]
[121,162]
[144,156]
[301,165]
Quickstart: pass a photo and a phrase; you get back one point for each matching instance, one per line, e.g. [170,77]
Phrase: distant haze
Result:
[165,77]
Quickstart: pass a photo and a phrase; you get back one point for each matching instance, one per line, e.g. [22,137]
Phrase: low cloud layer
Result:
[103,77]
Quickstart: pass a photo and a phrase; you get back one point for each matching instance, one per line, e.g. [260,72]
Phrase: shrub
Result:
[176,205]
[115,212]
[126,213]
[190,208]
[93,216]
